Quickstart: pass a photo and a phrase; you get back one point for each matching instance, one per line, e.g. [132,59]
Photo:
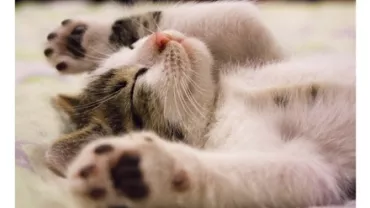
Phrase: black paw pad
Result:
[61,66]
[79,30]
[97,193]
[66,22]
[127,177]
[102,149]
[74,41]
[51,36]
[48,52]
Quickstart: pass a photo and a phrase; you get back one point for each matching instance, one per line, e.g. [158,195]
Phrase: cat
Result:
[277,135]
[233,31]
[230,133]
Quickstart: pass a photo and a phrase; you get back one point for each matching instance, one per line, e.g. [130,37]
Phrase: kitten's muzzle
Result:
[162,39]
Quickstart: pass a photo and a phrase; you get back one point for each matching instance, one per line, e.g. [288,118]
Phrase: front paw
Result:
[77,46]
[137,170]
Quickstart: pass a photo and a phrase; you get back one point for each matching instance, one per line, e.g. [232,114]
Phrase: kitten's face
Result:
[169,86]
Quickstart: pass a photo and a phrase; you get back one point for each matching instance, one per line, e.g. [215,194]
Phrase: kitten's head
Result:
[165,84]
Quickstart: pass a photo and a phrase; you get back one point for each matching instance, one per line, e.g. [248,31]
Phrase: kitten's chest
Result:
[238,126]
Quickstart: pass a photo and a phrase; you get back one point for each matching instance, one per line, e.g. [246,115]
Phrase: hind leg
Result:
[79,46]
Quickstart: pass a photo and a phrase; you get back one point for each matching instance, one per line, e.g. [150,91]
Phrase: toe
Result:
[51,36]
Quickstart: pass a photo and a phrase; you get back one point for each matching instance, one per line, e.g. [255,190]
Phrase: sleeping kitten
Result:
[281,135]
[233,32]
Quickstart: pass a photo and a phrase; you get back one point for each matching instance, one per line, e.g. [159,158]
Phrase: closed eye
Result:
[140,72]
[120,85]
[131,47]
[137,120]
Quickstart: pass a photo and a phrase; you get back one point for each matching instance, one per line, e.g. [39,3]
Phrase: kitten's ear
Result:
[62,151]
[67,103]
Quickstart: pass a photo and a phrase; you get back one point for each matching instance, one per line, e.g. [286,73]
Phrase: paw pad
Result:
[97,193]
[51,36]
[65,49]
[48,52]
[127,177]
[61,66]
[66,21]
[74,41]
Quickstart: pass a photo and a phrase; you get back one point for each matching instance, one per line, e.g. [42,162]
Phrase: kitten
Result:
[280,135]
[233,32]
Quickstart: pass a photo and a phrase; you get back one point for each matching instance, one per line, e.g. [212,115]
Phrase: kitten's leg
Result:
[78,46]
[141,170]
[137,170]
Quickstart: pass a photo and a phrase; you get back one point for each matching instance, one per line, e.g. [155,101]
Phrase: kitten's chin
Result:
[198,54]
[187,83]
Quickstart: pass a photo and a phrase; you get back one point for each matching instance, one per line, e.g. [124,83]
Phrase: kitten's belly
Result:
[269,109]
[238,128]
[330,128]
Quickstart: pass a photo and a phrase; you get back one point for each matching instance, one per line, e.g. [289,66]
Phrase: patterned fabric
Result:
[302,28]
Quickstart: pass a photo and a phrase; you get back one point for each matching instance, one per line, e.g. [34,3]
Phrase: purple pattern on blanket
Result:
[349,32]
[21,158]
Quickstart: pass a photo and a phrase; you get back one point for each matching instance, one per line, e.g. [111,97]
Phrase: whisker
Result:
[175,99]
[183,102]
[165,99]
[139,24]
[102,100]
[114,95]
[193,115]
[195,103]
[157,26]
[193,82]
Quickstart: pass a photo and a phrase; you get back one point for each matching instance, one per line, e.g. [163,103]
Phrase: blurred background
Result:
[303,27]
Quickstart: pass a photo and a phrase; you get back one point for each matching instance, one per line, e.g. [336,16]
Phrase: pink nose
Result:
[161,40]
